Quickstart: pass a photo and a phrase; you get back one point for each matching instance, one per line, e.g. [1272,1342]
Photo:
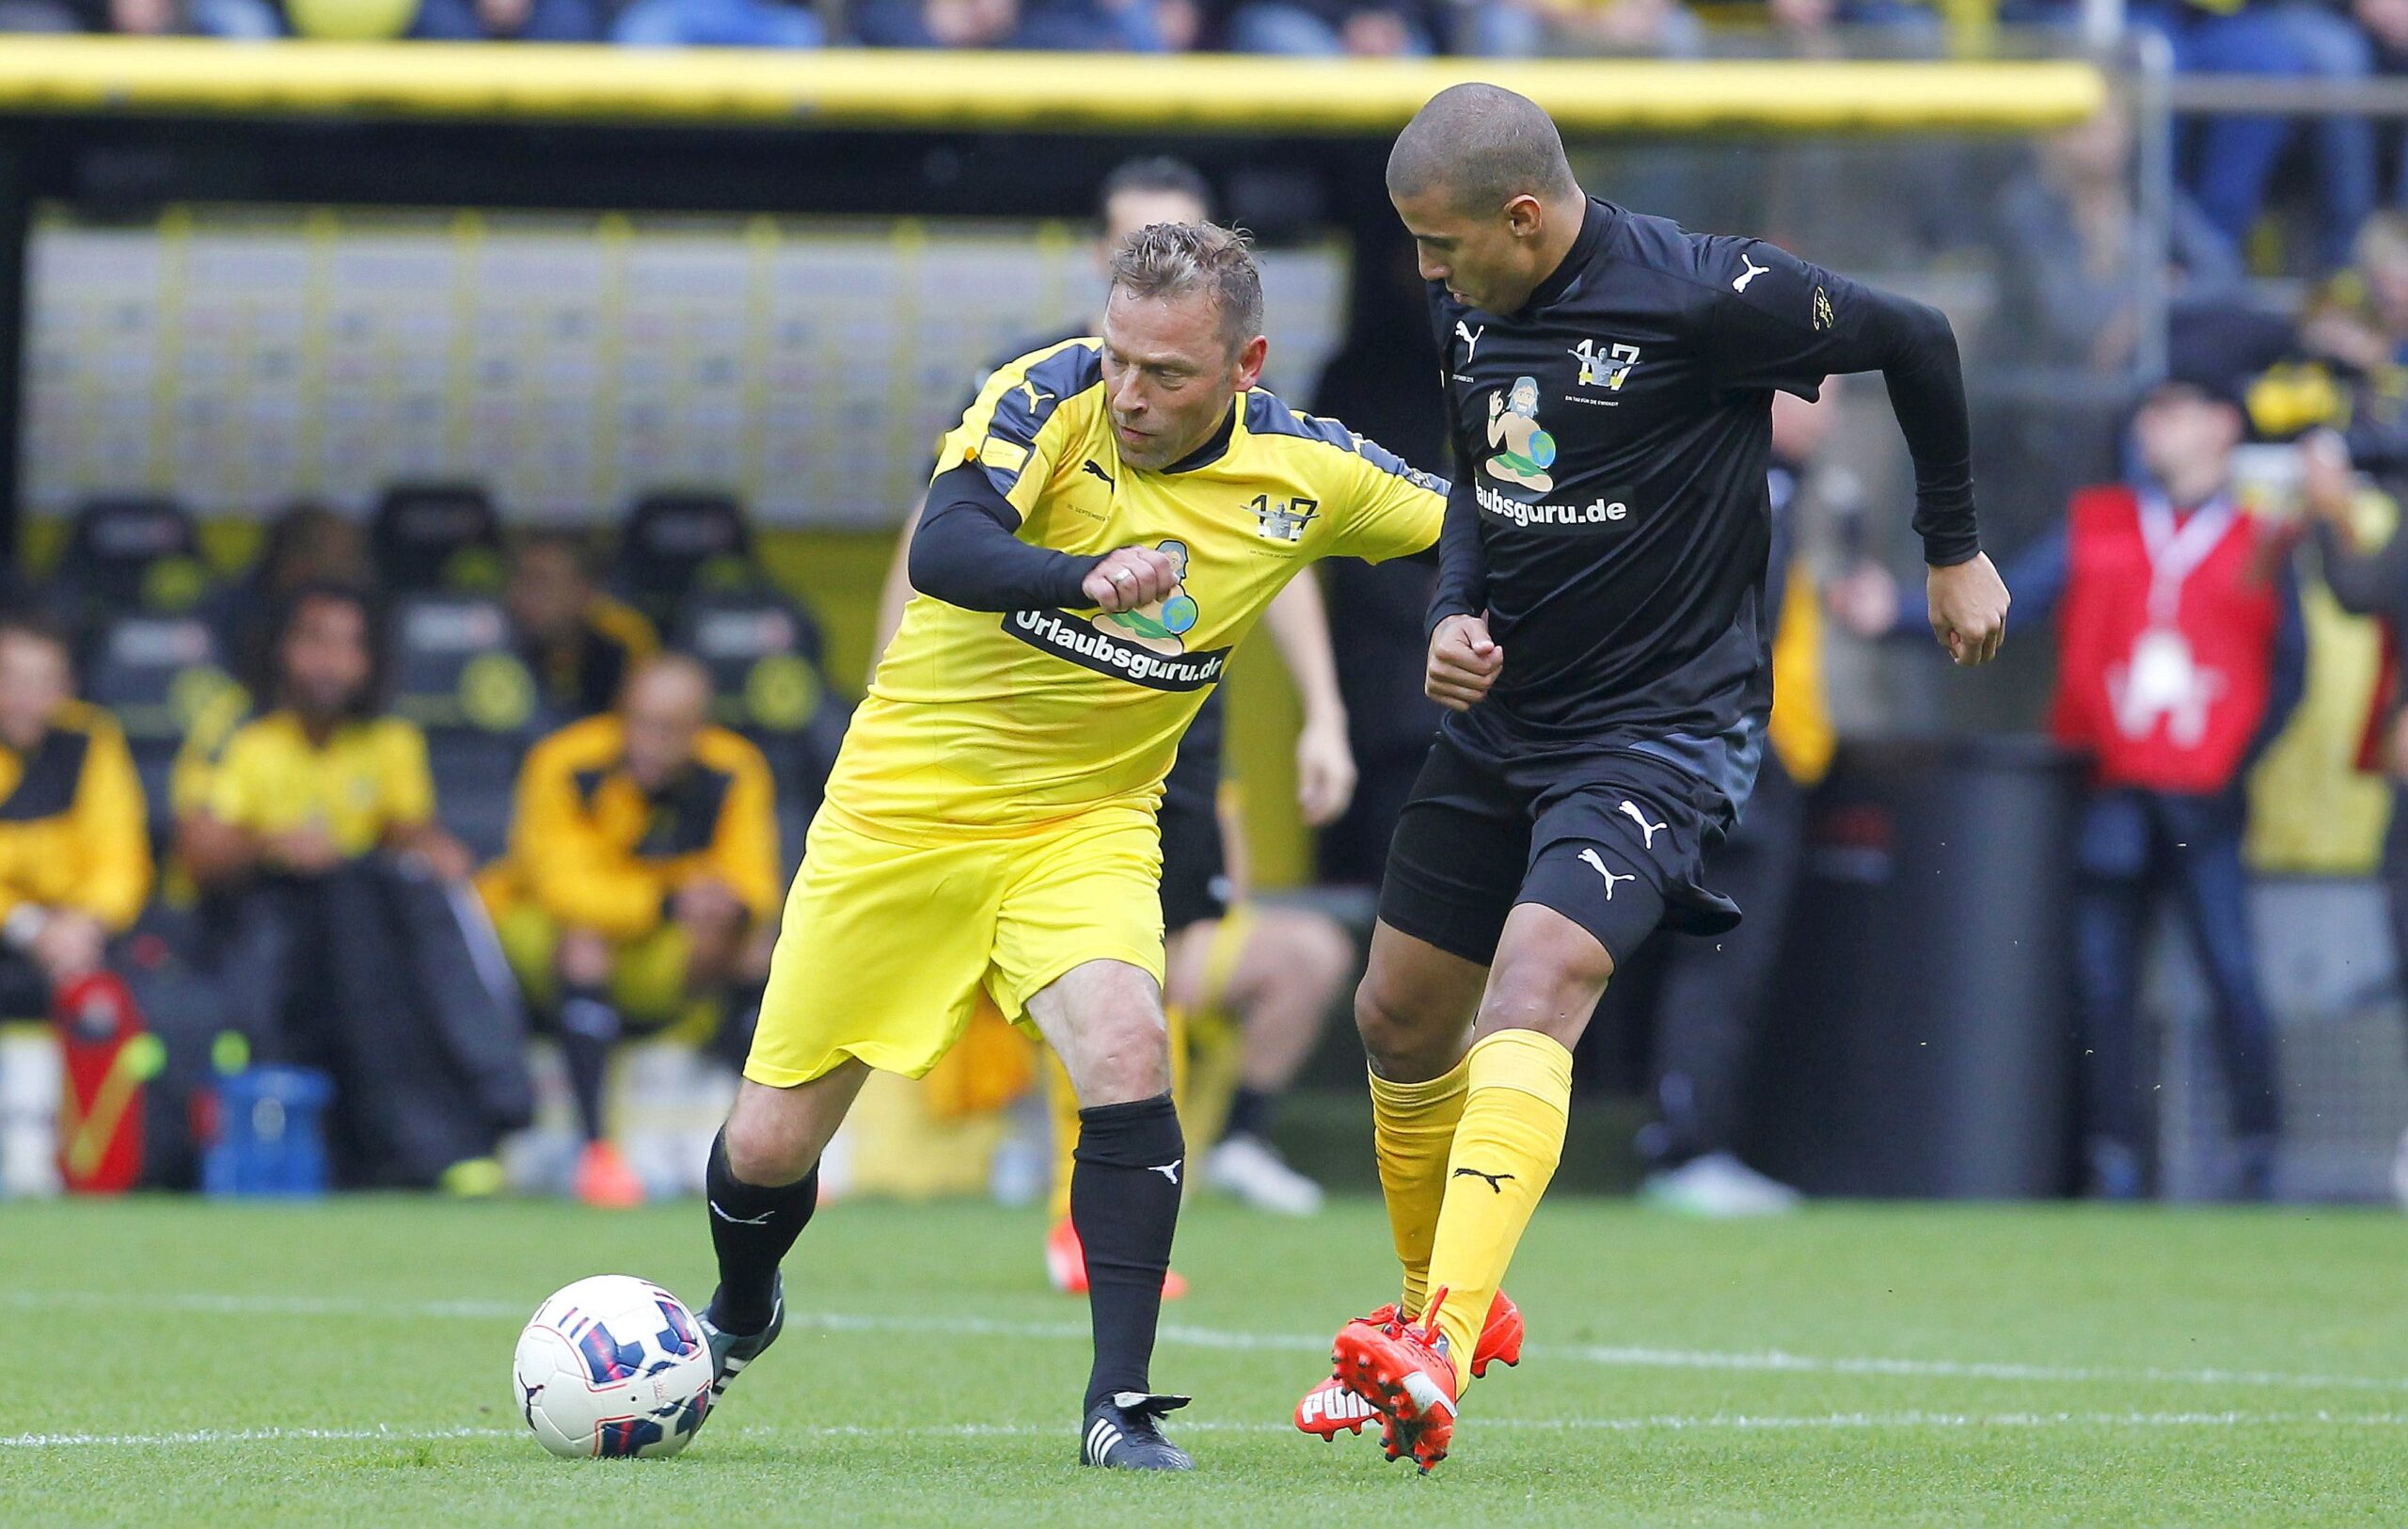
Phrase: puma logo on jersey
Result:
[1036,395]
[1599,866]
[1740,282]
[1099,472]
[1470,337]
[1646,829]
[762,1219]
[1168,1171]
[1494,1180]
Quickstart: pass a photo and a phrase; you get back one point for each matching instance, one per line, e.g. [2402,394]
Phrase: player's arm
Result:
[1299,623]
[1779,322]
[111,835]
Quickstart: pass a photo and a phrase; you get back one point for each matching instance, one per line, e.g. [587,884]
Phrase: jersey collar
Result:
[1215,449]
[1599,216]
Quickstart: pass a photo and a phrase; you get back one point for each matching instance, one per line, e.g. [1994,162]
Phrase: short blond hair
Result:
[1170,260]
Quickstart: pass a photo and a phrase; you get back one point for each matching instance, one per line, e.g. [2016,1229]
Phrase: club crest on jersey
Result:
[1277,520]
[1606,366]
[1523,449]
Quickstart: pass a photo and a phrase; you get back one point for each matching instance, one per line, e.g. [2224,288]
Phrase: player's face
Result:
[1130,211]
[325,657]
[1169,374]
[33,686]
[1488,258]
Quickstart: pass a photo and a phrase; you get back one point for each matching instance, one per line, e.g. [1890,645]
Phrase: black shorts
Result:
[1195,878]
[1613,841]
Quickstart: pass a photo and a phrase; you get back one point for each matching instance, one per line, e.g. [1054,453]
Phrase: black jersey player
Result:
[1599,637]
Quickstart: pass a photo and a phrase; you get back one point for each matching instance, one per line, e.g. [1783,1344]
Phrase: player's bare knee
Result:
[582,959]
[1405,1039]
[770,1133]
[1554,1001]
[1123,1054]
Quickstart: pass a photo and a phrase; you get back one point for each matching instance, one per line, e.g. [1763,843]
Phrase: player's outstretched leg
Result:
[1506,1145]
[760,1189]
[1104,1019]
[1413,1011]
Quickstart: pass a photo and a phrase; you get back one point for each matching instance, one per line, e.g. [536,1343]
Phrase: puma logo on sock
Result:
[1494,1180]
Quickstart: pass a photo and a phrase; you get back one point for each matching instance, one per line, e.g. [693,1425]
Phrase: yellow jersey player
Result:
[1104,526]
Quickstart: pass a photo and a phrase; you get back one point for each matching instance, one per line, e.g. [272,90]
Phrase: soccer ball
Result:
[612,1367]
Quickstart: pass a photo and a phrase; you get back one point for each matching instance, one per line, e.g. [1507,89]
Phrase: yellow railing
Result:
[1059,92]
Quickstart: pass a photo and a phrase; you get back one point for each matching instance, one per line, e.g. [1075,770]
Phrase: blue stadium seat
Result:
[764,655]
[157,673]
[128,552]
[435,537]
[456,675]
[678,542]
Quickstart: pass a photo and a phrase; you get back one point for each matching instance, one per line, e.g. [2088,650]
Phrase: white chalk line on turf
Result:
[1737,1422]
[1612,1356]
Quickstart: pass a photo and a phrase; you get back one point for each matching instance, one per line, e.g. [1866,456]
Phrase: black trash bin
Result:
[1922,1043]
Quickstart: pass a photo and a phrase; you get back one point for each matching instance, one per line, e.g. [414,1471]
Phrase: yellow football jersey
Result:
[977,721]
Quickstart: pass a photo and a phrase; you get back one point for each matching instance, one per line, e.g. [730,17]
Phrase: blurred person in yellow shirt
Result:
[74,854]
[312,833]
[640,886]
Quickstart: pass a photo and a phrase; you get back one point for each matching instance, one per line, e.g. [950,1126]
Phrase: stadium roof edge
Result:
[1034,93]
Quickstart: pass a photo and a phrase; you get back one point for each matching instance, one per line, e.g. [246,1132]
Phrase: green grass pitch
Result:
[347,1362]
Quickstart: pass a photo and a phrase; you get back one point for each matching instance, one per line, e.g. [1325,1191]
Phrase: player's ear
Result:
[1250,359]
[1522,216]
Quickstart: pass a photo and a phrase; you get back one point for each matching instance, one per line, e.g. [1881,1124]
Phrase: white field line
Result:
[1610,1356]
[1737,1422]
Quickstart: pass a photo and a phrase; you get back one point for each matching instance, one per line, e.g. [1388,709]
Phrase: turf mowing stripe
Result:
[1762,1361]
[1668,1424]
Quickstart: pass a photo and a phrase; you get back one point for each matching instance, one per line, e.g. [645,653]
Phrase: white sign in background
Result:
[242,359]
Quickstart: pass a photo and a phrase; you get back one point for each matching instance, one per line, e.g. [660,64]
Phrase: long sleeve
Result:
[965,553]
[1791,325]
[2366,583]
[1463,562]
[112,835]
[2288,682]
[577,875]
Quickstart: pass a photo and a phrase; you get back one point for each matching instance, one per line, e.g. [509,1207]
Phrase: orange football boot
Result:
[1330,1408]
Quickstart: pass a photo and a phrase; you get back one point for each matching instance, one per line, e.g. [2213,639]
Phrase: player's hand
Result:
[1130,578]
[1325,771]
[306,850]
[69,945]
[1968,610]
[1464,662]
[447,859]
[2327,484]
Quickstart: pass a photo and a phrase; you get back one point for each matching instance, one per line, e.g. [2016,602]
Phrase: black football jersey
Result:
[1609,510]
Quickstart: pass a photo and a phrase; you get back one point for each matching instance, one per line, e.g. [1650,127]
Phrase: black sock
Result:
[751,1227]
[1124,1201]
[1249,1114]
[589,1029]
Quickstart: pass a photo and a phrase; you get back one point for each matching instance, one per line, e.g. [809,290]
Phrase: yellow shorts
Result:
[886,946]
[647,974]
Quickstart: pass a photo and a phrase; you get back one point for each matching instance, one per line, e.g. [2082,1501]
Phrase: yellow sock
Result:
[1518,1094]
[1062,1103]
[1413,1127]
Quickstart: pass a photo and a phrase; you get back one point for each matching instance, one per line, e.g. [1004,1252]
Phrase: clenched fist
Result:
[1464,662]
[1130,578]
[1968,610]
